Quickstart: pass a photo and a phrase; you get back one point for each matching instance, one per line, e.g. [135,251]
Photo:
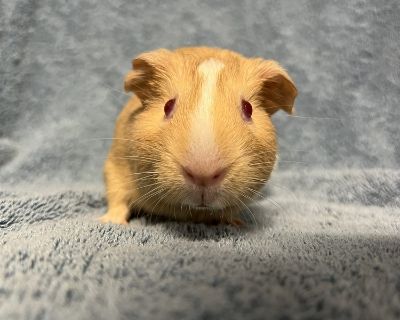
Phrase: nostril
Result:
[219,175]
[187,173]
[216,176]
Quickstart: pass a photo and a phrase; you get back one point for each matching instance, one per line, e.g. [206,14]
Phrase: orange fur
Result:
[143,170]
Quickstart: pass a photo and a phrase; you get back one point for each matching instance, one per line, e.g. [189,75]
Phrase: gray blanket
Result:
[323,243]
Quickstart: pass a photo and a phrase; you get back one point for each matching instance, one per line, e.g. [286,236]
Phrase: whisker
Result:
[190,212]
[116,90]
[91,139]
[152,196]
[251,212]
[160,199]
[255,192]
[283,188]
[315,118]
[243,204]
[275,203]
[131,158]
[174,206]
[119,183]
[137,173]
[141,157]
[131,203]
[151,184]
[148,197]
[252,164]
[292,161]
[305,117]
[149,176]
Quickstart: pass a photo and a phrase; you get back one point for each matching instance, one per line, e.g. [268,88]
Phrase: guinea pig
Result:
[196,141]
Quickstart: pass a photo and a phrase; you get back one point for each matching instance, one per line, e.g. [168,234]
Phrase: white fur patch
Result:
[202,132]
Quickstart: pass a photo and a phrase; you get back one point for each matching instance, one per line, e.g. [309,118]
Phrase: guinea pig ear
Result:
[277,89]
[149,70]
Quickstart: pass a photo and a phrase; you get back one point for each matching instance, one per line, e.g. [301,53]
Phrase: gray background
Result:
[60,59]
[327,243]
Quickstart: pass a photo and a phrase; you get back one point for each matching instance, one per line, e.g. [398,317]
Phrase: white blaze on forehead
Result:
[202,135]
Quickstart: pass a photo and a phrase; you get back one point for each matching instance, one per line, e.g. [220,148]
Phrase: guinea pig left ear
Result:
[149,69]
[277,90]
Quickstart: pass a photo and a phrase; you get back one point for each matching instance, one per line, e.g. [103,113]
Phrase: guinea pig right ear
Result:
[149,70]
[276,90]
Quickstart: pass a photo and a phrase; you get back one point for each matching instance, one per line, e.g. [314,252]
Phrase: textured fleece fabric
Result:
[323,243]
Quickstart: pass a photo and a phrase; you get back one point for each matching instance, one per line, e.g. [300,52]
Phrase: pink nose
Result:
[204,178]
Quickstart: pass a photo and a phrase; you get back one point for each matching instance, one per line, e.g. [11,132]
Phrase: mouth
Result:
[199,201]
[204,197]
[202,207]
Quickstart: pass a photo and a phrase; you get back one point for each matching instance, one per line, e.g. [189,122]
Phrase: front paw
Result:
[111,217]
[237,222]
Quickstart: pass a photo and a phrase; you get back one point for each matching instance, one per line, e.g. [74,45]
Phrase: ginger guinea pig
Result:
[196,142]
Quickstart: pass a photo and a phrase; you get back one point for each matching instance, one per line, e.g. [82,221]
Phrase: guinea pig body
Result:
[196,142]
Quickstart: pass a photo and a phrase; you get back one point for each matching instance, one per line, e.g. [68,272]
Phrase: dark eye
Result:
[169,107]
[247,110]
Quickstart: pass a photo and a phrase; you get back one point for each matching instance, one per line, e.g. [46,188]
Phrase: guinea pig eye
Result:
[169,107]
[247,110]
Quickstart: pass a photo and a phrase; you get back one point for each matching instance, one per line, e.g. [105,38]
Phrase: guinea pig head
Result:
[203,137]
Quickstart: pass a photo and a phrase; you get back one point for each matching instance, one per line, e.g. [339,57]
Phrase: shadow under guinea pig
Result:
[255,218]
